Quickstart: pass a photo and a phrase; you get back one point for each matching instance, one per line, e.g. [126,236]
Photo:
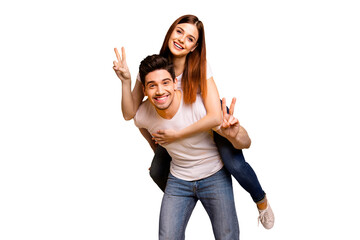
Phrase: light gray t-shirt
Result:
[193,158]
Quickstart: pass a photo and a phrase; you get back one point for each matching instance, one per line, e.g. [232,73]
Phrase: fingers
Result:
[117,54]
[117,67]
[158,140]
[233,121]
[232,106]
[123,54]
[223,105]
[159,137]
[230,121]
[225,124]
[156,136]
[154,140]
[159,134]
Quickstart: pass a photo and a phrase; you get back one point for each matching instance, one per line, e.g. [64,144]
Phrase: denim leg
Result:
[216,195]
[177,205]
[160,167]
[235,163]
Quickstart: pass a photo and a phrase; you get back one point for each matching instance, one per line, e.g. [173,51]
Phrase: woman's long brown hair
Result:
[194,75]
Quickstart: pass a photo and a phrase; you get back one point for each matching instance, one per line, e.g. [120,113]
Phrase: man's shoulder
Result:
[194,111]
[143,113]
[144,105]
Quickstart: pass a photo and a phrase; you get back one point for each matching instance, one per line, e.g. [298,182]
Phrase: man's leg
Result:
[160,167]
[176,208]
[216,195]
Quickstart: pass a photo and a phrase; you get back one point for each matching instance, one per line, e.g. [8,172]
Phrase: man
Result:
[196,171]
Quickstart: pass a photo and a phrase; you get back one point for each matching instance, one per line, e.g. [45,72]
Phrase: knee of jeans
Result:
[233,164]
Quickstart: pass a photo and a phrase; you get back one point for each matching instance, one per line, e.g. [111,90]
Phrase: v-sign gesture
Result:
[120,66]
[230,125]
[231,128]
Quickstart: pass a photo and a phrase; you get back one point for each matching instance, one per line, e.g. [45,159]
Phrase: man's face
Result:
[160,88]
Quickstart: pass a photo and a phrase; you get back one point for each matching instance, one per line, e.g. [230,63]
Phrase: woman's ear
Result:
[194,47]
[175,83]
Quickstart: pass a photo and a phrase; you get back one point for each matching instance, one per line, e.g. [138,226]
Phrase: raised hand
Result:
[120,66]
[230,125]
[165,136]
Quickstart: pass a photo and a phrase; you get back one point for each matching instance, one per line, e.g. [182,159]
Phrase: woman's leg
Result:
[160,167]
[235,163]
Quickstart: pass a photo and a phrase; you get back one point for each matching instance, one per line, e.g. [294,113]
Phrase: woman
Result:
[184,46]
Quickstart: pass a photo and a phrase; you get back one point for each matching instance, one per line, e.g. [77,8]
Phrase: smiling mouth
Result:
[161,99]
[178,46]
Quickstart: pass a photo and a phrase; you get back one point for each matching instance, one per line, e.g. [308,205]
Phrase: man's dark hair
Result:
[152,63]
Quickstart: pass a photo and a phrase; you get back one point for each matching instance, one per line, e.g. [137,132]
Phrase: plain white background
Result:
[72,168]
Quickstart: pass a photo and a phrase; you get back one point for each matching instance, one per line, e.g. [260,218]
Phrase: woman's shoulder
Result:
[209,72]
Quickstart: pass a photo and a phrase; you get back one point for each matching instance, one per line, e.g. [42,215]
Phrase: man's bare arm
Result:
[148,138]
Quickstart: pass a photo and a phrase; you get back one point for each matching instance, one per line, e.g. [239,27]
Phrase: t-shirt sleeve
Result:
[139,117]
[136,120]
[138,77]
[209,73]
[142,115]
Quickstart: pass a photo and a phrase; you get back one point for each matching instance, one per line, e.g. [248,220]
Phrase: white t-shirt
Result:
[193,158]
[209,74]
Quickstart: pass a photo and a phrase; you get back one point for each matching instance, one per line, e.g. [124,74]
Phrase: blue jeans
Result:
[232,158]
[235,163]
[216,195]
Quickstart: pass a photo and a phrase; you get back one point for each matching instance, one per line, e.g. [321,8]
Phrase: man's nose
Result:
[159,90]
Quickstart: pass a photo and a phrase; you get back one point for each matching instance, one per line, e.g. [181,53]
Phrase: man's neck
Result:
[170,112]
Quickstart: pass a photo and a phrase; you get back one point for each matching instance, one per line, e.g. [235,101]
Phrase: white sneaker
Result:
[266,217]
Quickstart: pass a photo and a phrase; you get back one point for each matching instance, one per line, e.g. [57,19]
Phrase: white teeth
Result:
[161,98]
[177,45]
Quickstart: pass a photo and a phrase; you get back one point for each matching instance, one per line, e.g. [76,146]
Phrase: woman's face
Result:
[183,39]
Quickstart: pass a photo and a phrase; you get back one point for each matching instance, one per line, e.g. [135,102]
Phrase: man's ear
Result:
[194,47]
[144,90]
